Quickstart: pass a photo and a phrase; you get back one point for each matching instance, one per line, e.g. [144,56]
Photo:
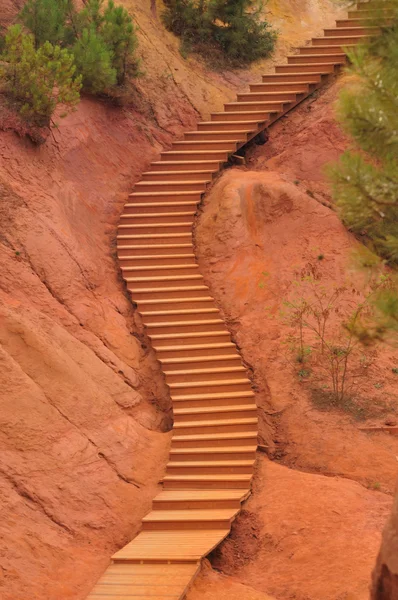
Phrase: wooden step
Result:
[199,362]
[165,196]
[322,51]
[296,87]
[192,155]
[156,229]
[303,59]
[160,293]
[195,301]
[340,41]
[209,398]
[142,218]
[240,124]
[185,165]
[210,467]
[215,412]
[203,518]
[317,68]
[145,581]
[353,22]
[196,349]
[350,31]
[156,259]
[224,145]
[187,326]
[203,175]
[260,116]
[234,135]
[171,186]
[208,440]
[178,314]
[198,499]
[135,208]
[309,77]
[192,375]
[153,270]
[214,453]
[241,481]
[269,96]
[235,424]
[171,546]
[126,249]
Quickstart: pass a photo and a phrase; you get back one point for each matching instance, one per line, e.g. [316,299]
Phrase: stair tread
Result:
[194,311]
[214,450]
[199,514]
[216,422]
[214,396]
[180,323]
[215,382]
[155,256]
[184,545]
[211,463]
[217,477]
[198,359]
[214,409]
[157,215]
[213,494]
[238,368]
[176,193]
[215,436]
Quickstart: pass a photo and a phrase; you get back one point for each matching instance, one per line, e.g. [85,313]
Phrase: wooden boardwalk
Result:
[215,430]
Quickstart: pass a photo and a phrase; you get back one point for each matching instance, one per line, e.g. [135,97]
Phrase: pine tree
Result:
[46,19]
[231,30]
[38,80]
[365,180]
[245,37]
[94,62]
[119,35]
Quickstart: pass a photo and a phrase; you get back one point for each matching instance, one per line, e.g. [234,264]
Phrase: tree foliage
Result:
[46,19]
[94,62]
[232,31]
[101,36]
[38,80]
[365,180]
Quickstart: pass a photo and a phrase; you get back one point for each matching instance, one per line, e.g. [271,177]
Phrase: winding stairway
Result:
[215,431]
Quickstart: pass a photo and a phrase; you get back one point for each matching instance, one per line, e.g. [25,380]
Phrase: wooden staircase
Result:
[215,430]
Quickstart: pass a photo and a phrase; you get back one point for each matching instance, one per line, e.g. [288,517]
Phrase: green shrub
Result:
[120,38]
[38,80]
[102,37]
[365,180]
[46,19]
[94,62]
[229,31]
[366,185]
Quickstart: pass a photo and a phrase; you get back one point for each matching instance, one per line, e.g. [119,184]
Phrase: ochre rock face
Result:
[385,574]
[84,411]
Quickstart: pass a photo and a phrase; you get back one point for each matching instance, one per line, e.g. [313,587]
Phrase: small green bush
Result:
[46,19]
[94,62]
[101,36]
[38,80]
[223,31]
